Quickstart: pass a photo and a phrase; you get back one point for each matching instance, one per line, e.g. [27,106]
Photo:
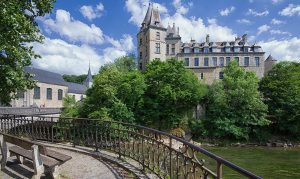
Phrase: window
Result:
[146,51]
[227,60]
[157,48]
[60,94]
[246,49]
[37,93]
[157,35]
[236,49]
[206,49]
[186,50]
[173,49]
[141,55]
[206,62]
[196,50]
[141,41]
[246,61]
[215,61]
[141,66]
[20,94]
[221,61]
[201,76]
[167,49]
[49,93]
[237,59]
[227,49]
[257,61]
[187,62]
[221,75]
[196,61]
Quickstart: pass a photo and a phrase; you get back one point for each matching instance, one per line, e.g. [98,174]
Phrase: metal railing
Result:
[165,155]
[28,111]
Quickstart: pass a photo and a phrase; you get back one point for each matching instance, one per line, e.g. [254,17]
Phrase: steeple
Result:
[89,79]
[152,18]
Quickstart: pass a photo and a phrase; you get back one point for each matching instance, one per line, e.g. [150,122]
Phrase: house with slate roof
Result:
[206,59]
[50,90]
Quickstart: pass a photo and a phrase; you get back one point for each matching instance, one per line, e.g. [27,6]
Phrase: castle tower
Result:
[89,79]
[151,38]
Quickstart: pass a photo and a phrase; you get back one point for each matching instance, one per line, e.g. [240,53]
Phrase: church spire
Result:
[89,78]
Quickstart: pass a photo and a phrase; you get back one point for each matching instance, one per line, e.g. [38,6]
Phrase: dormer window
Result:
[227,49]
[206,49]
[236,49]
[186,50]
[196,50]
[157,35]
[246,49]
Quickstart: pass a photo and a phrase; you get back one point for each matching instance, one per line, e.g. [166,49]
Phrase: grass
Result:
[269,163]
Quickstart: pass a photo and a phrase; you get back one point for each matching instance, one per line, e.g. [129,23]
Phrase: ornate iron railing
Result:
[28,111]
[166,155]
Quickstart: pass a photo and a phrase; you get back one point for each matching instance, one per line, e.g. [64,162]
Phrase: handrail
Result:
[143,144]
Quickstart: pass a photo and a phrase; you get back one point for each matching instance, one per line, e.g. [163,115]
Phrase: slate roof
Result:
[270,58]
[44,76]
[76,88]
[48,77]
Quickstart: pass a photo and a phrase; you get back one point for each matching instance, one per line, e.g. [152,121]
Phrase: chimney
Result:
[207,38]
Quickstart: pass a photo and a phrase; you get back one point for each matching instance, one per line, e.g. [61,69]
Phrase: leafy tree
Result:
[234,107]
[74,78]
[172,92]
[116,91]
[18,29]
[71,107]
[281,89]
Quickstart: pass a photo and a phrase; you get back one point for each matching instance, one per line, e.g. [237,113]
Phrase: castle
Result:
[206,59]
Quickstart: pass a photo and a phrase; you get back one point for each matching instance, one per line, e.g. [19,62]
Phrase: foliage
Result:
[281,89]
[116,91]
[234,107]
[71,107]
[75,78]
[172,92]
[18,29]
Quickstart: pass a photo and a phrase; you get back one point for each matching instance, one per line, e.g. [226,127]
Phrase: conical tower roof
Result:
[270,58]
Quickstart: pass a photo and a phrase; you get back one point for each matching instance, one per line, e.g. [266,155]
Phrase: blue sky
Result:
[98,31]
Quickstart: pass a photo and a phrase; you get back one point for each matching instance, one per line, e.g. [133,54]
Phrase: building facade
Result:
[50,90]
[207,59]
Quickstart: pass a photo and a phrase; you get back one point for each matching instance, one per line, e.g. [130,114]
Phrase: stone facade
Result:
[207,59]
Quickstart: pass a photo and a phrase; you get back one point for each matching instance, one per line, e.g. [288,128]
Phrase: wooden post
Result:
[219,170]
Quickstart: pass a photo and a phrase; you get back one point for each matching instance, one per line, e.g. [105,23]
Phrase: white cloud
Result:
[73,30]
[180,8]
[251,1]
[227,11]
[263,28]
[138,9]
[196,29]
[279,32]
[65,58]
[288,49]
[91,13]
[276,22]
[244,21]
[277,1]
[255,13]
[290,10]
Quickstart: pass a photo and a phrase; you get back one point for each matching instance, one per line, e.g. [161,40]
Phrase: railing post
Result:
[15,128]
[96,137]
[219,170]
[52,131]
[119,137]
[143,157]
[170,150]
[32,128]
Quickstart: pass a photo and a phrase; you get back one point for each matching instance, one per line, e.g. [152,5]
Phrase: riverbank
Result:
[268,162]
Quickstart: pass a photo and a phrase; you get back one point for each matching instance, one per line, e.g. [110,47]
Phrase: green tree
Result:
[18,29]
[75,78]
[234,106]
[172,93]
[116,91]
[281,89]
[70,107]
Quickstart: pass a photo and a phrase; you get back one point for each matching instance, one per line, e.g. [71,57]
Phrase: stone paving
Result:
[80,166]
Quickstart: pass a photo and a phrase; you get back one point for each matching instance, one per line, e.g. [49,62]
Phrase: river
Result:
[269,163]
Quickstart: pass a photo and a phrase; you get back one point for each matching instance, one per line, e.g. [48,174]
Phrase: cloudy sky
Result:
[99,31]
